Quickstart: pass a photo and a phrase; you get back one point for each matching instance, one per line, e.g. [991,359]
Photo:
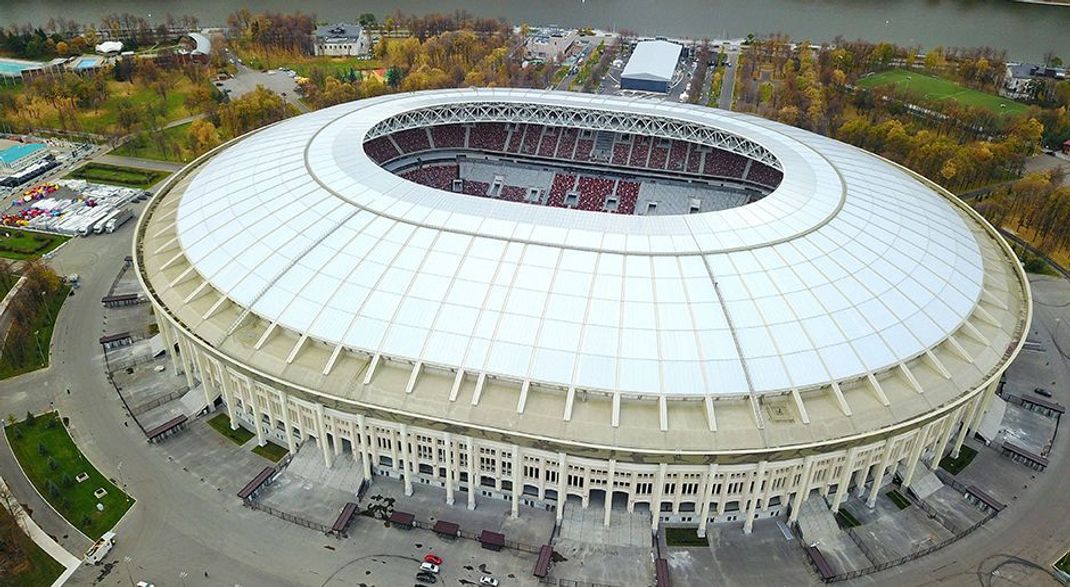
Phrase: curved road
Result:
[182,527]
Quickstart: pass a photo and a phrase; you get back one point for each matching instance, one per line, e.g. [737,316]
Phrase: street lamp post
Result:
[37,339]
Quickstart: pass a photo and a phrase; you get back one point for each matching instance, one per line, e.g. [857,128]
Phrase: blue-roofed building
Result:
[16,156]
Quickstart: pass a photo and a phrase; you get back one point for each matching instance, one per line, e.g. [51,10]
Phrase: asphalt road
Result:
[729,83]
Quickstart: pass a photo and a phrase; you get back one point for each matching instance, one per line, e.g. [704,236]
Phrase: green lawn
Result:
[1064,564]
[24,244]
[42,325]
[941,89]
[221,423]
[54,475]
[684,537]
[846,520]
[270,451]
[35,567]
[955,466]
[898,499]
[112,174]
[144,147]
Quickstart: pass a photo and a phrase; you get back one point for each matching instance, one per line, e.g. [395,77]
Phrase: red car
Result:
[435,560]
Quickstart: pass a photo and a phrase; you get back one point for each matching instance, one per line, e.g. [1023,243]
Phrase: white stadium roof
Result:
[653,60]
[850,267]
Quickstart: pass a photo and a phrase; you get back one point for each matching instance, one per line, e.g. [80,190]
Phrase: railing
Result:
[142,408]
[572,582]
[293,519]
[914,555]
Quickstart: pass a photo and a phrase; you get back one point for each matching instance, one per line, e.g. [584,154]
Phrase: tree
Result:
[394,75]
[203,136]
[366,20]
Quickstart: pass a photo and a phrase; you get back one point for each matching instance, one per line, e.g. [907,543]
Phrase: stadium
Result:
[545,297]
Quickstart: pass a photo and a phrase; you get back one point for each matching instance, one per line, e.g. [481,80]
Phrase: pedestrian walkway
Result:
[42,539]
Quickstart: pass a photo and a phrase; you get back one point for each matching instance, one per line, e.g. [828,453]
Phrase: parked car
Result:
[486,580]
[433,559]
[429,567]
[1042,391]
[427,578]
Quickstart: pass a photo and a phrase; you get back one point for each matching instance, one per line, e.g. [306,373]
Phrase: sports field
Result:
[941,89]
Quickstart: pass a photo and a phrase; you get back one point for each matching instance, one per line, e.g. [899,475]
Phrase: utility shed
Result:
[651,66]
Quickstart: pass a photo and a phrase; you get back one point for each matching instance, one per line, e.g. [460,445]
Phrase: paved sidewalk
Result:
[42,539]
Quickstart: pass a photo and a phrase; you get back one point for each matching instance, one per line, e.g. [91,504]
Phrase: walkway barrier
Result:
[293,519]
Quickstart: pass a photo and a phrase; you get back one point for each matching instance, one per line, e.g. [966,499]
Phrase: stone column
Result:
[448,441]
[517,463]
[915,454]
[168,339]
[843,485]
[290,444]
[707,496]
[472,483]
[803,490]
[228,397]
[407,468]
[562,484]
[659,489]
[878,477]
[321,434]
[611,473]
[748,524]
[364,456]
[254,399]
[965,428]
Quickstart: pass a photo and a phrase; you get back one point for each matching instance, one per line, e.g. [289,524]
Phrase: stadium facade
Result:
[845,323]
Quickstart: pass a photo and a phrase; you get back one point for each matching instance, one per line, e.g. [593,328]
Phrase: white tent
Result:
[109,47]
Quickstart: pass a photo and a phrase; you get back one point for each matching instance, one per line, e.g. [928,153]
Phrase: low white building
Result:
[550,43]
[342,39]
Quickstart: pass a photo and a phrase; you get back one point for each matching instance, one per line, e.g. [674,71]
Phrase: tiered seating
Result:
[720,163]
[475,188]
[694,158]
[437,176]
[515,138]
[764,174]
[567,143]
[593,192]
[658,155]
[412,140]
[678,155]
[639,152]
[549,142]
[627,196]
[512,193]
[560,187]
[488,136]
[530,146]
[381,149]
[583,150]
[620,154]
[448,136]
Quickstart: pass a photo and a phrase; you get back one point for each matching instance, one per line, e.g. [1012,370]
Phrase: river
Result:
[1025,31]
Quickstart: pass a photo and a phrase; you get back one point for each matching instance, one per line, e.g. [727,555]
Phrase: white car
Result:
[429,567]
[485,580]
[144,584]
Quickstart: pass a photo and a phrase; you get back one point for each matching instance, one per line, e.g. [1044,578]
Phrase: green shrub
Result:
[67,481]
[42,449]
[52,489]
[30,418]
[52,464]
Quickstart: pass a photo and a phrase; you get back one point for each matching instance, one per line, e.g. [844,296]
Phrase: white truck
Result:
[118,220]
[96,553]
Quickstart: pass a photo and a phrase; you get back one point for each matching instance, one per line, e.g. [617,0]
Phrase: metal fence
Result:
[293,519]
[892,563]
[572,582]
[142,408]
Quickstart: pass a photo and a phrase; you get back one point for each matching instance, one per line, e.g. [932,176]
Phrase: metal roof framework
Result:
[573,117]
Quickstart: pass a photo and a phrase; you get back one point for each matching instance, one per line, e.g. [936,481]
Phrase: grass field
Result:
[941,89]
[23,244]
[142,146]
[304,64]
[221,424]
[115,175]
[846,520]
[898,499]
[684,537]
[42,327]
[36,567]
[271,451]
[955,466]
[54,475]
